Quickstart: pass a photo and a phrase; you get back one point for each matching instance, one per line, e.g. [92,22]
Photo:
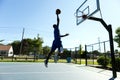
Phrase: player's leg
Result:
[52,50]
[60,51]
[56,57]
[50,53]
[60,48]
[47,59]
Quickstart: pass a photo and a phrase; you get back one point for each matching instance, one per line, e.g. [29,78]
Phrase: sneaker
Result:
[46,63]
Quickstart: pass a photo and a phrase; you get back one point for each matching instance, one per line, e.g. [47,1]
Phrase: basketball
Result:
[58,11]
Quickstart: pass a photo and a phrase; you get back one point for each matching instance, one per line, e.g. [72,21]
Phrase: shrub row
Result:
[105,61]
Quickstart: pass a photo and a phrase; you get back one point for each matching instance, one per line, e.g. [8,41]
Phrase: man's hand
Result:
[66,34]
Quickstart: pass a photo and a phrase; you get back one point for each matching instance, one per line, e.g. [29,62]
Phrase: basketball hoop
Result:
[82,15]
[86,9]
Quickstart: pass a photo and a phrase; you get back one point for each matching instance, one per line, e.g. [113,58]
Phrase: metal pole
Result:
[109,29]
[86,55]
[80,53]
[112,51]
[93,54]
[75,55]
[104,52]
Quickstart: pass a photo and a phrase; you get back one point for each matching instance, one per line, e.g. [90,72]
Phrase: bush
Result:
[117,63]
[2,57]
[102,61]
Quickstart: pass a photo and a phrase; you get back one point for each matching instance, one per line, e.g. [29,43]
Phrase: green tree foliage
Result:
[65,54]
[16,47]
[117,36]
[46,50]
[28,45]
[96,52]
[37,44]
[83,55]
[1,41]
[24,47]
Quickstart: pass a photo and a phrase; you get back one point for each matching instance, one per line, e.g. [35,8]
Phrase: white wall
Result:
[10,52]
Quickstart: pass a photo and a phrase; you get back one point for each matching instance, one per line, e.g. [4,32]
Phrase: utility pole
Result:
[22,40]
[99,44]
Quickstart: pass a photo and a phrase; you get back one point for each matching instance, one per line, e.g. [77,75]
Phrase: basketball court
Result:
[55,71]
[64,71]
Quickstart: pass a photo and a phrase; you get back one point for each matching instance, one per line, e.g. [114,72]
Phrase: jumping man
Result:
[57,43]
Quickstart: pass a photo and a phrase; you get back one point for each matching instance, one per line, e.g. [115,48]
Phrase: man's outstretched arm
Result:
[64,35]
[58,20]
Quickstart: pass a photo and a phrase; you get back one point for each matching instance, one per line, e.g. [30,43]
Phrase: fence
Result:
[95,50]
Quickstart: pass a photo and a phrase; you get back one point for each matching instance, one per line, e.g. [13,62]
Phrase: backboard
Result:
[88,8]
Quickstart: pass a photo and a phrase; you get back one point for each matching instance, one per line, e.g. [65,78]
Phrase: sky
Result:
[38,17]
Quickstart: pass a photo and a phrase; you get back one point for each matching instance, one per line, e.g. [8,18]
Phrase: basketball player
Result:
[57,43]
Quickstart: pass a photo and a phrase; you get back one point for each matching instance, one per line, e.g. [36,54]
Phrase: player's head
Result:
[54,25]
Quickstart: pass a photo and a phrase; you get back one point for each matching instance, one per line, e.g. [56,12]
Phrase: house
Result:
[6,50]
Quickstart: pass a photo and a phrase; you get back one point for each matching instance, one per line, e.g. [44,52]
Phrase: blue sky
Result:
[38,16]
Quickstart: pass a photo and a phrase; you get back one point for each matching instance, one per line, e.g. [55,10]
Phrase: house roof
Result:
[5,47]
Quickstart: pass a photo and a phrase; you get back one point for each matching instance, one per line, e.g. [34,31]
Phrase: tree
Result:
[117,36]
[46,50]
[16,47]
[37,44]
[96,52]
[65,54]
[1,40]
[83,55]
[25,46]
[80,49]
[28,45]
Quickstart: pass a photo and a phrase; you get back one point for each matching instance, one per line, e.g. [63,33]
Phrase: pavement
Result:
[55,71]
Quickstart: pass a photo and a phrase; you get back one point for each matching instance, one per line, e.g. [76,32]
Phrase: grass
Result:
[51,60]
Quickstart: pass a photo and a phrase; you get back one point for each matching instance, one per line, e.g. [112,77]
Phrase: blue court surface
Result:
[55,71]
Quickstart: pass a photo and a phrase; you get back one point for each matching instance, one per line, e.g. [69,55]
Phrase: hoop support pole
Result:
[109,29]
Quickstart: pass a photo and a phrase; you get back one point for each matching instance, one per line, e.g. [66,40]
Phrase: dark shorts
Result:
[57,44]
